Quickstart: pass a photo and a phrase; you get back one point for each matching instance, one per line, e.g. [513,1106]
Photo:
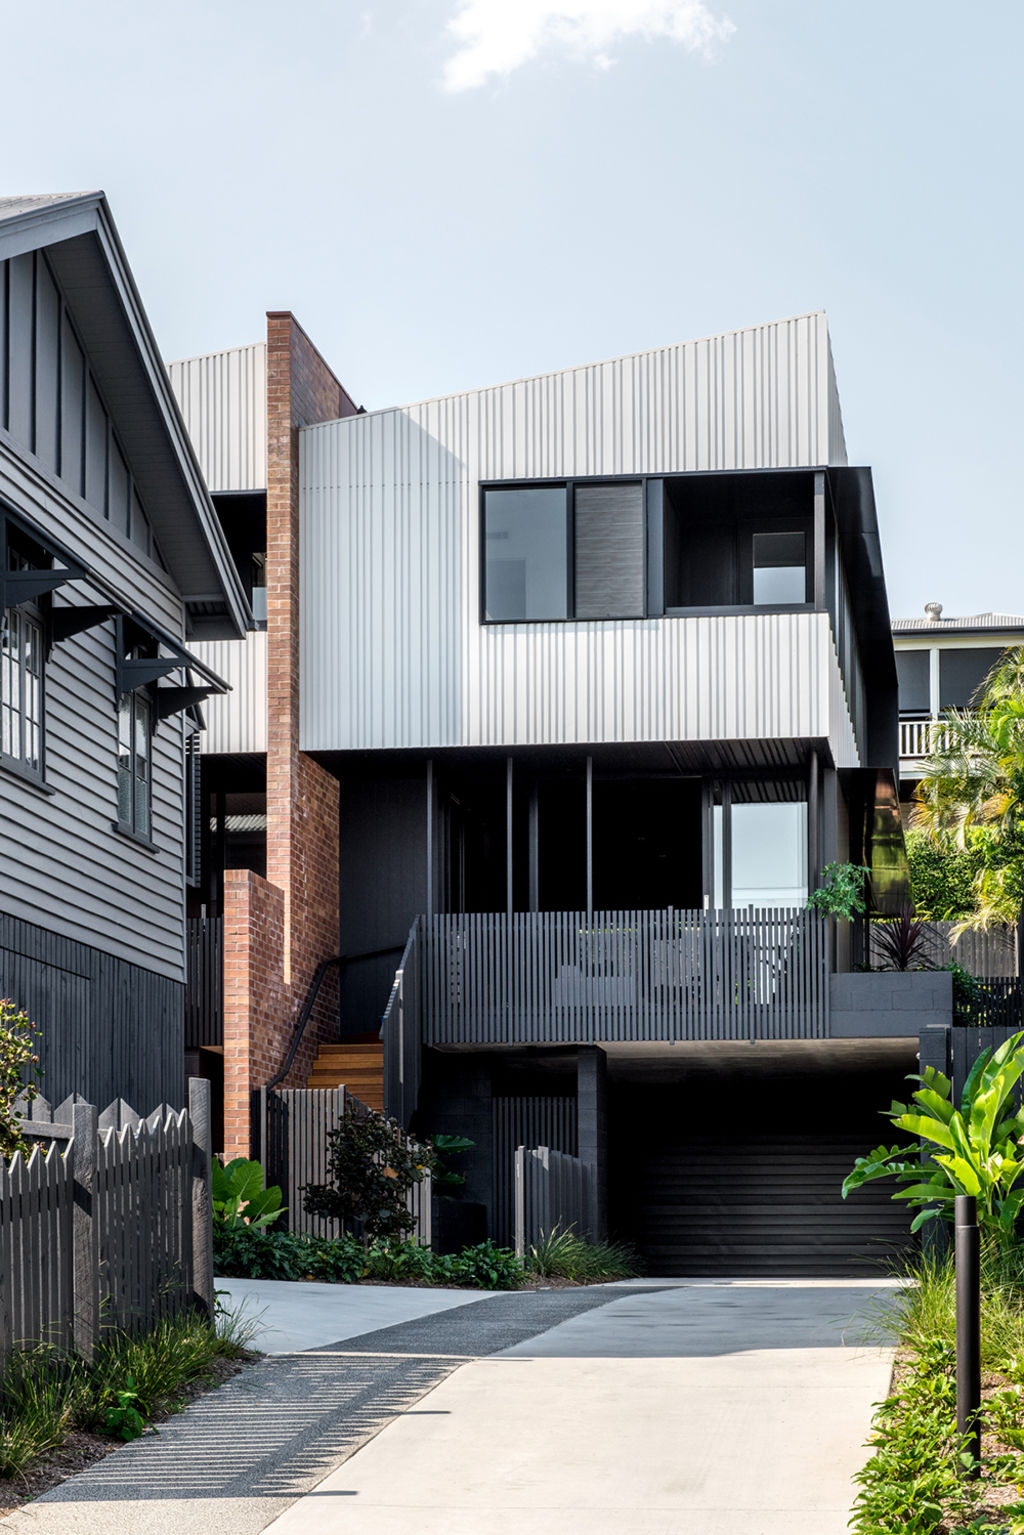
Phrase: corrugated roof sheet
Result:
[15,207]
[977,621]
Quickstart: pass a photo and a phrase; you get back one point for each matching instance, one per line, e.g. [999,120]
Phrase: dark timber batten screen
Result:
[566,977]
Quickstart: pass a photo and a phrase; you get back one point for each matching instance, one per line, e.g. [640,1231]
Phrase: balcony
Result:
[570,978]
[918,738]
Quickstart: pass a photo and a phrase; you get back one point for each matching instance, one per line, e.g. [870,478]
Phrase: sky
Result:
[451,193]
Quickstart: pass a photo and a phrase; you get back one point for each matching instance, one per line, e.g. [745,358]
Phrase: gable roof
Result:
[978,623]
[84,250]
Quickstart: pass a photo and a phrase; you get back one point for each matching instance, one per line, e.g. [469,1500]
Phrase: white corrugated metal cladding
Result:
[223,398]
[237,721]
[393,650]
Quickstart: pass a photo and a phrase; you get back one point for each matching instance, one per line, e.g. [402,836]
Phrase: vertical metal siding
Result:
[223,398]
[393,651]
[237,721]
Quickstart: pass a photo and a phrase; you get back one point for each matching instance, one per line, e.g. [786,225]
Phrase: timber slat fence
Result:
[204,984]
[991,954]
[291,1134]
[564,977]
[108,1226]
[552,1190]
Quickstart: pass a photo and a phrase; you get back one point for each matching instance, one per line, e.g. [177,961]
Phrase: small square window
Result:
[780,569]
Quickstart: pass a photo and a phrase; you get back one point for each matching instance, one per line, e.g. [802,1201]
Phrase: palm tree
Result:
[972,791]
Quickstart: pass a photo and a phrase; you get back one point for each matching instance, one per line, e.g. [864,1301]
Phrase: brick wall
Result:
[257,1003]
[279,929]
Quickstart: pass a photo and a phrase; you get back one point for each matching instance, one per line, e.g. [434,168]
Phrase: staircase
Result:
[356,1064]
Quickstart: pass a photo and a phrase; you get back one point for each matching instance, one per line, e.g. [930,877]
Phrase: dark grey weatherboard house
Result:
[111,562]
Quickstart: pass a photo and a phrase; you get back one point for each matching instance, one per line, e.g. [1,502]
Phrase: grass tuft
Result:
[561,1254]
[46,1393]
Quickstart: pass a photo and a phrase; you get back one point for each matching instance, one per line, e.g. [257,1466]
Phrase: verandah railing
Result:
[565,977]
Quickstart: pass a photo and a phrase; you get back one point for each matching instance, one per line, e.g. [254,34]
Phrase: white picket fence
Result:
[106,1225]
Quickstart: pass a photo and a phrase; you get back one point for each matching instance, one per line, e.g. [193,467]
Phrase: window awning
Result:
[18,586]
[135,630]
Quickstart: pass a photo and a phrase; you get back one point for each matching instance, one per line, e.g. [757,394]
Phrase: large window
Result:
[134,763]
[759,854]
[564,551]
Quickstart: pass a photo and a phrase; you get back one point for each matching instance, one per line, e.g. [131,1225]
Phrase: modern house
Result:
[595,672]
[112,565]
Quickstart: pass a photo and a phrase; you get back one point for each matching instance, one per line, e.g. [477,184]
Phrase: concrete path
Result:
[714,1408]
[289,1317]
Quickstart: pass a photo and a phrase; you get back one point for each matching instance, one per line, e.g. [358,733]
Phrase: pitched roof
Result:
[976,623]
[86,256]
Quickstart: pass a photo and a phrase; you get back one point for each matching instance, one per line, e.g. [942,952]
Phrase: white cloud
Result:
[495,37]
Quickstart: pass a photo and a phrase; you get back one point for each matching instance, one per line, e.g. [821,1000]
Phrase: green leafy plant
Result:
[371,1165]
[122,1419]
[561,1254]
[842,893]
[239,1197]
[19,1073]
[486,1267]
[974,1149]
[247,1252]
[46,1393]
[445,1177]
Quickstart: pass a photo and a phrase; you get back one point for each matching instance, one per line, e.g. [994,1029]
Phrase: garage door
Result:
[743,1178]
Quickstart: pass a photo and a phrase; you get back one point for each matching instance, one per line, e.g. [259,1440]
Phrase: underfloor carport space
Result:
[727,1158]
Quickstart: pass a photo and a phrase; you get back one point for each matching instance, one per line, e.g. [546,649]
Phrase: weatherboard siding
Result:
[393,650]
[74,875]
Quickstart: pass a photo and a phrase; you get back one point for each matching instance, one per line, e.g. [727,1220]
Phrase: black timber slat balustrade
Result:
[565,977]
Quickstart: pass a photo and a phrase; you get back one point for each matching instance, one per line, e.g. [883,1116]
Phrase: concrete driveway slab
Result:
[731,1409]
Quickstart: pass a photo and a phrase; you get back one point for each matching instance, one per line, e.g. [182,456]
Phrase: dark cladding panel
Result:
[20,380]
[95,449]
[72,412]
[610,551]
[47,370]
[913,669]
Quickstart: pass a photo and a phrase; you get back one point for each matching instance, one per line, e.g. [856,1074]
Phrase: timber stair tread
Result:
[356,1063]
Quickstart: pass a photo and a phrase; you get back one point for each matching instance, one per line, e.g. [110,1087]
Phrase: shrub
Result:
[561,1254]
[371,1166]
[842,893]
[973,1149]
[19,1073]
[247,1252]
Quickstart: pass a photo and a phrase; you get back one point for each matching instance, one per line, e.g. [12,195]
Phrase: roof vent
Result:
[934,611]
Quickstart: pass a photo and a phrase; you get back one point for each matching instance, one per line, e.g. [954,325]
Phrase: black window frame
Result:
[128,703]
[20,552]
[653,556]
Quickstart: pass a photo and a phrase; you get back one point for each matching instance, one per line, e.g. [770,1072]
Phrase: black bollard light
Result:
[968,1327]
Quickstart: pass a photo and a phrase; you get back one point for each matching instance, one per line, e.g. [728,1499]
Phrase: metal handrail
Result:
[314,991]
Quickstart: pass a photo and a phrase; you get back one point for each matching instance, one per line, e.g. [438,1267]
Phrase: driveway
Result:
[701,1408]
